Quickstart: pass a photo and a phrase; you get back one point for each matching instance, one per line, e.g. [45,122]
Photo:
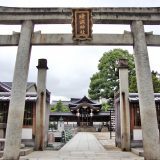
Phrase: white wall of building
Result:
[137,134]
[26,133]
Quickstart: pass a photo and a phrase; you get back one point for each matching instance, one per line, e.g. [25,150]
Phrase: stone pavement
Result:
[84,145]
[83,141]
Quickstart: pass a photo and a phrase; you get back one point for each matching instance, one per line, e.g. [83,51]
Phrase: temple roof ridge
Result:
[84,99]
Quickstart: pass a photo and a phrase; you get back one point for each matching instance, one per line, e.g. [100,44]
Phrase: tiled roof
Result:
[5,87]
[72,114]
[133,97]
[30,96]
[62,114]
[84,100]
[8,85]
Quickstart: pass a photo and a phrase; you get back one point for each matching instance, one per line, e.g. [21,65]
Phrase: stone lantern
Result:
[60,124]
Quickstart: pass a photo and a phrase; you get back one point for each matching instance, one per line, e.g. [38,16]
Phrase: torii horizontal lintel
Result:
[125,39]
[123,15]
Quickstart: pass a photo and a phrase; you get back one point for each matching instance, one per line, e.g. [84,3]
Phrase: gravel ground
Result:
[107,142]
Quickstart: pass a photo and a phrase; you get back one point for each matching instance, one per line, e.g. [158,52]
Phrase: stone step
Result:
[99,155]
[81,155]
[85,156]
[74,158]
[23,152]
[138,151]
[26,151]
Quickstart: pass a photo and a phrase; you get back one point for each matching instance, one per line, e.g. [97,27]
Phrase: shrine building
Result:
[84,113]
[29,121]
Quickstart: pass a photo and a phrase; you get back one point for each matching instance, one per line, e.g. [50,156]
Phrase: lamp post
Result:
[100,98]
[91,115]
[61,124]
[111,110]
[78,116]
[110,129]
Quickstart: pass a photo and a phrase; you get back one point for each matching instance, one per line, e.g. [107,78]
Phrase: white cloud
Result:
[70,67]
[57,98]
[79,3]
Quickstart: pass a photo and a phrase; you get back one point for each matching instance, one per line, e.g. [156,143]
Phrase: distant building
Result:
[84,112]
[29,122]
[135,121]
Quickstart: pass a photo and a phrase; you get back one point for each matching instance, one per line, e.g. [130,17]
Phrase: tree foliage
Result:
[106,78]
[105,106]
[59,107]
[155,79]
[156,82]
[105,82]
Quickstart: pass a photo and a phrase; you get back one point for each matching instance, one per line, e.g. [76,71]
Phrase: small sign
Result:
[82,24]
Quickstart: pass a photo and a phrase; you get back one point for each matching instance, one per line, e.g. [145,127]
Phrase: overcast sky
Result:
[70,67]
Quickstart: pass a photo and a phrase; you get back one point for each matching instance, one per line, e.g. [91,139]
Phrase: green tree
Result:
[105,106]
[59,107]
[107,76]
[95,86]
[155,79]
[156,82]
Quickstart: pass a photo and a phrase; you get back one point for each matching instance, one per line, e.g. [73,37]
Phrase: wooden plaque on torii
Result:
[82,24]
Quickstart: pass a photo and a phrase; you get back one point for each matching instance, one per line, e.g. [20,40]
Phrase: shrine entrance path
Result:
[82,146]
[83,141]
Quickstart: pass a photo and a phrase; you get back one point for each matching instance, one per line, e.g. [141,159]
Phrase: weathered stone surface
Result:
[11,15]
[124,105]
[41,108]
[150,132]
[63,16]
[66,39]
[18,94]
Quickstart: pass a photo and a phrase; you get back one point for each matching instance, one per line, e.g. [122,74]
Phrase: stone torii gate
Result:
[135,17]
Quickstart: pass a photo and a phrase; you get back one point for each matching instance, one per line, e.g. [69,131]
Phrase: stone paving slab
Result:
[138,151]
[84,146]
[49,155]
[83,141]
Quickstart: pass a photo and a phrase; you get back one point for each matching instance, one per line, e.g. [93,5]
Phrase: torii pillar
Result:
[18,94]
[41,108]
[124,105]
[150,132]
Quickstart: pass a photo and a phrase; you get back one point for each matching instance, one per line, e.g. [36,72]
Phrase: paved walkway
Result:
[83,146]
[83,141]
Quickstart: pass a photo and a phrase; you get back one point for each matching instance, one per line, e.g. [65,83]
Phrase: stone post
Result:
[18,94]
[124,105]
[60,125]
[91,119]
[41,108]
[150,132]
[78,118]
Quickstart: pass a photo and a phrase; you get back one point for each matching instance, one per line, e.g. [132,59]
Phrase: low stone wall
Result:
[86,129]
[91,129]
[136,144]
[104,129]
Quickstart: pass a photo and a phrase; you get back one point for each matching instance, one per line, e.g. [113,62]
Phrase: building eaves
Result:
[133,97]
[6,96]
[6,86]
